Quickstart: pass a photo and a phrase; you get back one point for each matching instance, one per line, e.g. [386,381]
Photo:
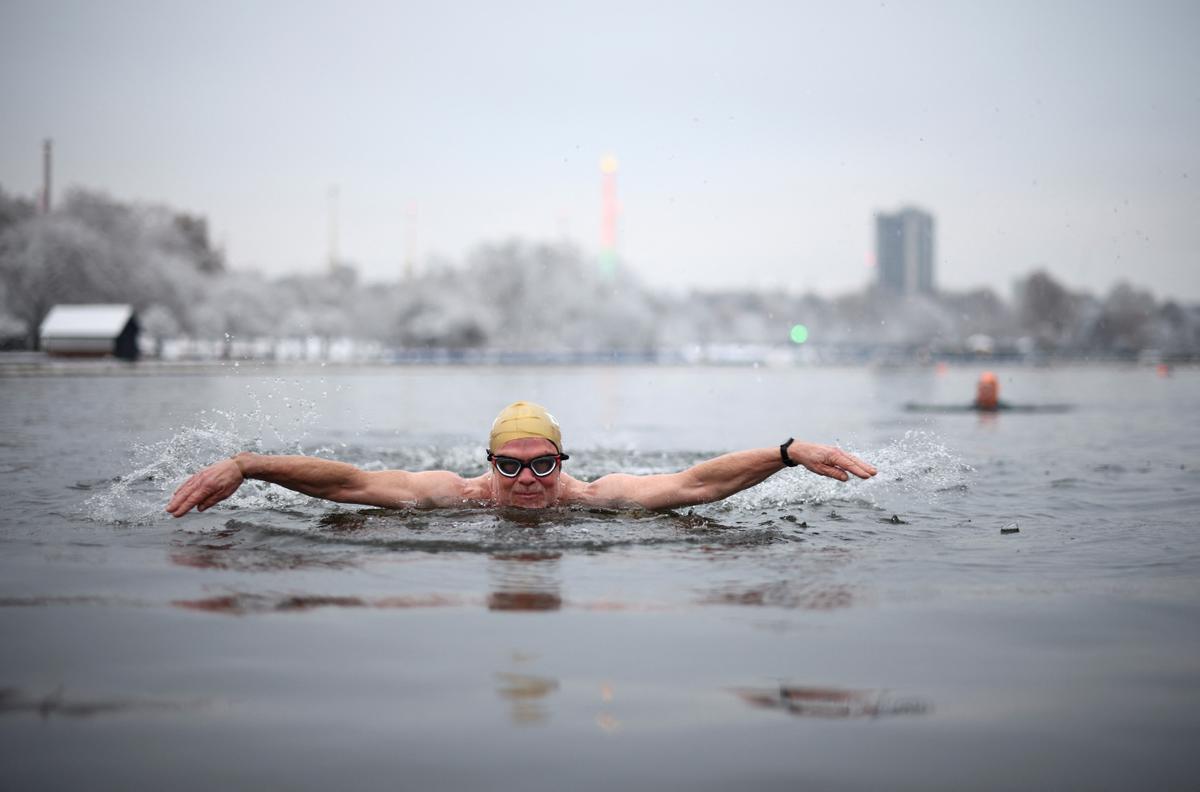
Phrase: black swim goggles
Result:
[540,466]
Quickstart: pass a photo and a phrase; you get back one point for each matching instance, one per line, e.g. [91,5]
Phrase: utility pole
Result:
[333,228]
[411,218]
[47,157]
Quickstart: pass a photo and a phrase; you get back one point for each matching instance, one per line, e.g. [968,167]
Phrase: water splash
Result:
[917,466]
[139,496]
[158,468]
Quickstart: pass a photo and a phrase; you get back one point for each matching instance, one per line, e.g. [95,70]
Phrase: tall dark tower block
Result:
[904,248]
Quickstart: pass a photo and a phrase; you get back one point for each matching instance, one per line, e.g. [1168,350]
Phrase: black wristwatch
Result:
[783,454]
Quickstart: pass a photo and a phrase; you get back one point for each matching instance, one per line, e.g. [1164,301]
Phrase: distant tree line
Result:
[92,249]
[526,297]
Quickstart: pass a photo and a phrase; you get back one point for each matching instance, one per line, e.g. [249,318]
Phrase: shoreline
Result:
[36,364]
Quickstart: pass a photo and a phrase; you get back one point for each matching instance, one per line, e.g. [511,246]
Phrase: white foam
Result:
[157,469]
[916,465]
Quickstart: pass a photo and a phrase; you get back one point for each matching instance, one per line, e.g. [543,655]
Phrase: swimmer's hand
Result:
[830,461]
[207,488]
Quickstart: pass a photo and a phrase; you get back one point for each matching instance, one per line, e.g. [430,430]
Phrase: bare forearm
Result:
[321,478]
[730,473]
[723,476]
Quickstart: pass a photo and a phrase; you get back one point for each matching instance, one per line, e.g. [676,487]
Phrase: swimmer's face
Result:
[526,491]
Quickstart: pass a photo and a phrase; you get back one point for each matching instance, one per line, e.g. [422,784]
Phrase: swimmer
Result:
[987,393]
[525,453]
[987,400]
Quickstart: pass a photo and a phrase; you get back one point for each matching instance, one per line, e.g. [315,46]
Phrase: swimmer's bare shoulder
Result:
[477,490]
[621,490]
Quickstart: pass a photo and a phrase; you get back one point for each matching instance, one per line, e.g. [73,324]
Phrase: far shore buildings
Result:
[91,331]
[904,245]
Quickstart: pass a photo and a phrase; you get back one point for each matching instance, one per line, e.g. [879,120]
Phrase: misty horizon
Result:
[435,262]
[525,297]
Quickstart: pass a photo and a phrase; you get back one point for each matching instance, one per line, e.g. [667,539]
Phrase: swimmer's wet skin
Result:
[526,471]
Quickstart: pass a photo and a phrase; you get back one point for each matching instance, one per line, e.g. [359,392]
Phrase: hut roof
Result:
[86,321]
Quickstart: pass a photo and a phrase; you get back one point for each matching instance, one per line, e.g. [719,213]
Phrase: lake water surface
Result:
[803,634]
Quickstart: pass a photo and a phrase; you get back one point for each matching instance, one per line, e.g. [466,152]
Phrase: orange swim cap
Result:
[987,393]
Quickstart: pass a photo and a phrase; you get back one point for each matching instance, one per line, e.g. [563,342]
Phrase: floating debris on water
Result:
[831,703]
[1011,528]
[57,703]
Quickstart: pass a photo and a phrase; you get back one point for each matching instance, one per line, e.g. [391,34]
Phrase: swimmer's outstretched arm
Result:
[320,478]
[721,477]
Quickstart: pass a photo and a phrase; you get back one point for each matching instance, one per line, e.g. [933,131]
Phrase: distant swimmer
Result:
[987,400]
[987,393]
[525,456]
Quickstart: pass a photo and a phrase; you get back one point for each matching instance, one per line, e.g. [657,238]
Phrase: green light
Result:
[608,262]
[799,334]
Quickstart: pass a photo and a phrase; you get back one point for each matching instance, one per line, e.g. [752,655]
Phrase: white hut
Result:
[91,331]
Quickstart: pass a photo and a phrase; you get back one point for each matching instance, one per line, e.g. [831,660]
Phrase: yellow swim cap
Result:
[524,419]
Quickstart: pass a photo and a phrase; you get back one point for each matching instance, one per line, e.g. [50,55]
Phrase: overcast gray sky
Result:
[754,139]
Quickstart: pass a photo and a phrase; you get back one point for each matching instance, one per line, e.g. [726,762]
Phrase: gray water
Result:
[806,633]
